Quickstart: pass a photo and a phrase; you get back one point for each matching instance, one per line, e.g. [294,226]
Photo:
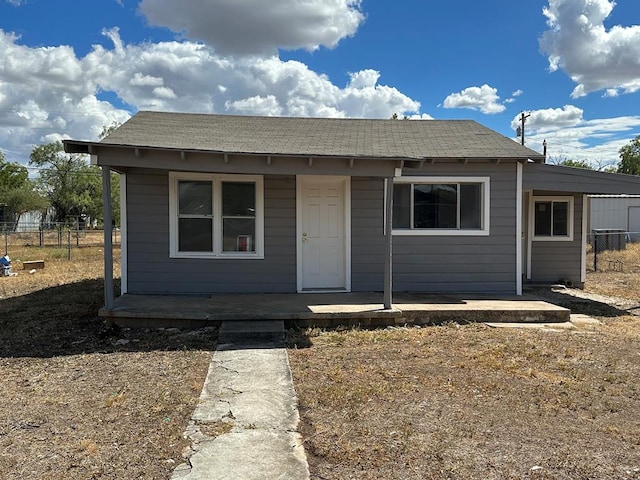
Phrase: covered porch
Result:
[328,310]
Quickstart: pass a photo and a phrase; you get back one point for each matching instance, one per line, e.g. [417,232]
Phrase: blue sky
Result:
[69,68]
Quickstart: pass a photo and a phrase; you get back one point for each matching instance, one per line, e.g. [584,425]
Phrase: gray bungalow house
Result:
[241,204]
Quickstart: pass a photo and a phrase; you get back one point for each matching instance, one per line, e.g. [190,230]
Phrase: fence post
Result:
[69,244]
[6,242]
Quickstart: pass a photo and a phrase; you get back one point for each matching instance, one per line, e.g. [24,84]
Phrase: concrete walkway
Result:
[577,320]
[249,394]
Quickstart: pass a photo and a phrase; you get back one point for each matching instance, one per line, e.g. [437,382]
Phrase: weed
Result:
[117,398]
[89,447]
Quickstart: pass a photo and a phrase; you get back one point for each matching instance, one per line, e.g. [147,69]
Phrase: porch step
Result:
[251,331]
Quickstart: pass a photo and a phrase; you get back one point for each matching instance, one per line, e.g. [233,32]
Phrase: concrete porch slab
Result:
[328,309]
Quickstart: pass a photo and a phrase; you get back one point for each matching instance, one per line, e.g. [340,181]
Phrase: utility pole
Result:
[520,129]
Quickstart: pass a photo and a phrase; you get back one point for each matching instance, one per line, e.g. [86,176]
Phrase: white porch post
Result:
[586,213]
[388,264]
[108,242]
[519,229]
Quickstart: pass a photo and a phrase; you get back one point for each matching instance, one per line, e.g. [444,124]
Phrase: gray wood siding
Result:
[421,263]
[464,263]
[152,271]
[557,261]
[367,234]
[437,263]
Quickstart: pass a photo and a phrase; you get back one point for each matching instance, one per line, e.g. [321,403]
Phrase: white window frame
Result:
[551,238]
[485,208]
[216,180]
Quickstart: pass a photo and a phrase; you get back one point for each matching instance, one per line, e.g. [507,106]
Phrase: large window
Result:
[552,218]
[441,206]
[216,215]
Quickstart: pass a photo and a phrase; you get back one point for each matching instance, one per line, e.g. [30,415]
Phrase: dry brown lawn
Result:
[618,273]
[466,401]
[80,401]
[455,401]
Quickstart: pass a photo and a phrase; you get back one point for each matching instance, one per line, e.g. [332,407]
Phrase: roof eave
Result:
[88,147]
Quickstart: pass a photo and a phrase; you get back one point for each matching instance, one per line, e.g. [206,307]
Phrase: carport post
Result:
[388,263]
[108,242]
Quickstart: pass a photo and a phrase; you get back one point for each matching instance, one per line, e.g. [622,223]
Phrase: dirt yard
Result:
[469,401]
[79,401]
[454,401]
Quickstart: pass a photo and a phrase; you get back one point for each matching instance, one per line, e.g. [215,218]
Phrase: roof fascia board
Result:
[545,177]
[76,146]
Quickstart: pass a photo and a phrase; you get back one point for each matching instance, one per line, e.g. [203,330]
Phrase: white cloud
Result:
[551,118]
[164,92]
[257,105]
[49,92]
[570,136]
[45,91]
[594,57]
[514,96]
[421,116]
[484,99]
[364,79]
[140,80]
[256,26]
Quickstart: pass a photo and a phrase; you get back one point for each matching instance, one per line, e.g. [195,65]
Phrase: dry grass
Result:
[618,272]
[625,261]
[468,401]
[463,402]
[82,402]
[459,402]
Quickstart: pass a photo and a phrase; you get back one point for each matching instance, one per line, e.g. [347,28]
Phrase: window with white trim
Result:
[216,215]
[441,206]
[552,218]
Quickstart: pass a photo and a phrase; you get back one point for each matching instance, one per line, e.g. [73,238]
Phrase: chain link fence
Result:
[52,235]
[613,250]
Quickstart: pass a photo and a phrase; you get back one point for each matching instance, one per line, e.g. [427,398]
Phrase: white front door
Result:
[323,219]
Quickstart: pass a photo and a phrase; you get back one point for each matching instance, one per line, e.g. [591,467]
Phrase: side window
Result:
[553,218]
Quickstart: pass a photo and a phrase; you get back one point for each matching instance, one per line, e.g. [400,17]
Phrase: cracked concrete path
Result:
[249,393]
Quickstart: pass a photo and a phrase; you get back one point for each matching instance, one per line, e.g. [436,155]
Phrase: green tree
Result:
[73,187]
[115,178]
[18,194]
[630,157]
[577,164]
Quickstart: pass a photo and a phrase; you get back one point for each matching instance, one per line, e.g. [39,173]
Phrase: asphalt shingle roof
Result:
[334,137]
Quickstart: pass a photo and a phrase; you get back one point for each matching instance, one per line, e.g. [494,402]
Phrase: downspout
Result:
[388,264]
[108,242]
